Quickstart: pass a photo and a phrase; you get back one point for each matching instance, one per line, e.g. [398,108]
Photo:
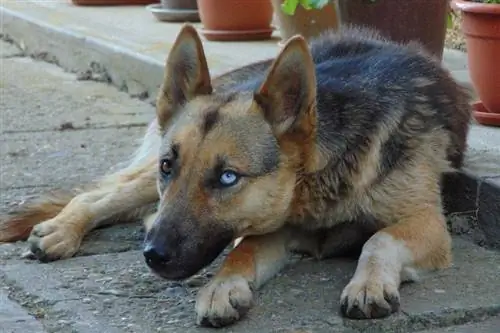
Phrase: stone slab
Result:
[52,98]
[15,319]
[487,326]
[132,55]
[456,62]
[475,191]
[8,50]
[60,132]
[483,154]
[118,291]
[63,159]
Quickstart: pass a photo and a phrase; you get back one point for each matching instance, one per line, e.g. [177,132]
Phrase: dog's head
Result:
[228,162]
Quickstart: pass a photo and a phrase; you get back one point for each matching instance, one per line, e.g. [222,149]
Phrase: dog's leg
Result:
[61,236]
[419,241]
[247,267]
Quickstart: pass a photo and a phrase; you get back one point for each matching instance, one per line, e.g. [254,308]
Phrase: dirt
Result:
[454,36]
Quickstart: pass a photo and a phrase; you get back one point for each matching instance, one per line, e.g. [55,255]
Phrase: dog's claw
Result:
[373,298]
[28,254]
[51,241]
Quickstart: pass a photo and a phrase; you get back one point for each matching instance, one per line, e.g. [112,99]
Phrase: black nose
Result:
[155,258]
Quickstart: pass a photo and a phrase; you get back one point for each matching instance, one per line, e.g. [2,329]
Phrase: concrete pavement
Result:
[128,44]
[14,318]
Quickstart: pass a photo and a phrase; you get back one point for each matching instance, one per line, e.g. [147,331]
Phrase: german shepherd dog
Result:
[334,144]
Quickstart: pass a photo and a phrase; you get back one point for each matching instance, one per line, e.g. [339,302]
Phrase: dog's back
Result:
[364,82]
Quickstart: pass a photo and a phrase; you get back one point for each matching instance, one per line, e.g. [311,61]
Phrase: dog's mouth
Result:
[186,258]
[174,275]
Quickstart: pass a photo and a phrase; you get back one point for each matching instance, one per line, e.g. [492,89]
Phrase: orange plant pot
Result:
[236,19]
[481,27]
[401,20]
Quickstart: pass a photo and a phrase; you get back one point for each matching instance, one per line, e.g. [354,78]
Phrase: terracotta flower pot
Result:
[236,19]
[481,27]
[401,20]
[179,4]
[308,23]
[113,2]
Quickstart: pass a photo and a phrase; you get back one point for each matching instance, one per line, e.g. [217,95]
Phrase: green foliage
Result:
[289,6]
[486,1]
[449,19]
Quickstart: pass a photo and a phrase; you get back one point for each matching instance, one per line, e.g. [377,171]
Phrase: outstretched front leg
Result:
[419,241]
[123,193]
[247,267]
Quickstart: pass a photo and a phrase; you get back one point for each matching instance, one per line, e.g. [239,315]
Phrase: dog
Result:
[337,143]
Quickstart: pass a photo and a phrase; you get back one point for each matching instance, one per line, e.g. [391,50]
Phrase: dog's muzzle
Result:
[176,251]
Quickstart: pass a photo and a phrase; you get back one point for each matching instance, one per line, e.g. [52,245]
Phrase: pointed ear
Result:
[288,94]
[186,75]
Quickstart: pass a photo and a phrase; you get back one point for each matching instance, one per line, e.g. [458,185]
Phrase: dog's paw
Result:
[223,301]
[373,296]
[52,240]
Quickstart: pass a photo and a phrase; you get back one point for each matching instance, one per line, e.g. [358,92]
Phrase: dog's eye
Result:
[229,178]
[166,167]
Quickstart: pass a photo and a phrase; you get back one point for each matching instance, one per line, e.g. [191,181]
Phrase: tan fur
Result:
[19,223]
[246,268]
[58,229]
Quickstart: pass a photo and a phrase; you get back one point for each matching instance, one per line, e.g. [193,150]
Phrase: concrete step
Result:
[129,44]
[117,293]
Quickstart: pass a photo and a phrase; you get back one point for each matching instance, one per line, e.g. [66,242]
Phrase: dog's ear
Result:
[288,94]
[186,75]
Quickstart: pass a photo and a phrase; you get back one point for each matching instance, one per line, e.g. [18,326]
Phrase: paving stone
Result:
[8,50]
[118,290]
[15,319]
[55,100]
[488,326]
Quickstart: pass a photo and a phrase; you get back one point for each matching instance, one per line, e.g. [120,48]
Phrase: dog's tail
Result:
[17,224]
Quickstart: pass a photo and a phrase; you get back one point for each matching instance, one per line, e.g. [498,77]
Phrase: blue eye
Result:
[229,178]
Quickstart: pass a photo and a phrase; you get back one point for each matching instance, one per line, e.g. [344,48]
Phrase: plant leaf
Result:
[306,4]
[318,4]
[289,6]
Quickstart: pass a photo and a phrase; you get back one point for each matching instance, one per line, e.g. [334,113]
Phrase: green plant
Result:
[449,18]
[289,6]
[486,1]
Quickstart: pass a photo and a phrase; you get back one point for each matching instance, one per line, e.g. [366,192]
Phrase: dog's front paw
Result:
[223,301]
[52,240]
[372,296]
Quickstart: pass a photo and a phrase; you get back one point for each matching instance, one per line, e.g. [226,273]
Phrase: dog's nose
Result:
[154,257]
